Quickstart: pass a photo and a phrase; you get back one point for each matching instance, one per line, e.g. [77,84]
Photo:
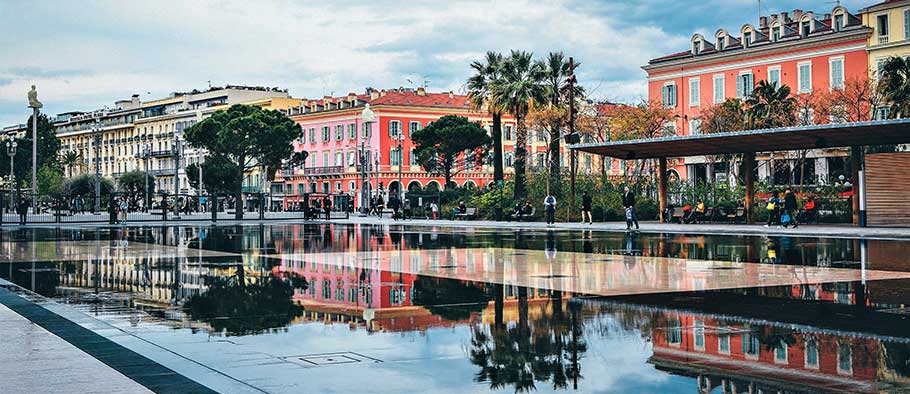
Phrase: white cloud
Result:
[92,54]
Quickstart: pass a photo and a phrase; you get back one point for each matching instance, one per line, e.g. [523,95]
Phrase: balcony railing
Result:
[882,39]
[331,170]
[162,171]
[162,153]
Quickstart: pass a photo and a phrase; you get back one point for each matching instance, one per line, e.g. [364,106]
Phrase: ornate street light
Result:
[11,151]
[367,118]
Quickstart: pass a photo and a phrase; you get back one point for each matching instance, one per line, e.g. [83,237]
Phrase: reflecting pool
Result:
[370,308]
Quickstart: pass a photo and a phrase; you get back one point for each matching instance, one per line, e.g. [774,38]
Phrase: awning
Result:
[833,135]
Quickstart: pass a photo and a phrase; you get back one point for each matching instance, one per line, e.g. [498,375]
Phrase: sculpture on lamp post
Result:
[34,104]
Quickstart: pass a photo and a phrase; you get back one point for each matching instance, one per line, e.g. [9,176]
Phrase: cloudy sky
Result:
[87,54]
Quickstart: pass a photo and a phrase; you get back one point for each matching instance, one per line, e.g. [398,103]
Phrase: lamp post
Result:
[400,139]
[199,188]
[96,133]
[11,151]
[367,118]
[146,155]
[175,148]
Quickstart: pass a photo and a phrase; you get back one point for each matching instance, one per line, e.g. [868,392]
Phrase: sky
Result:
[83,55]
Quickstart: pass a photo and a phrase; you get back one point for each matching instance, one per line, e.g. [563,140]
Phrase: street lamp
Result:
[400,139]
[367,118]
[175,149]
[146,155]
[11,151]
[96,132]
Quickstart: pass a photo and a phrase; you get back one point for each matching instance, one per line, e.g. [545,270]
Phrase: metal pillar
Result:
[97,136]
[856,160]
[748,168]
[662,187]
[34,156]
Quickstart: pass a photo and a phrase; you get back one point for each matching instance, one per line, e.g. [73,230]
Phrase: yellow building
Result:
[890,23]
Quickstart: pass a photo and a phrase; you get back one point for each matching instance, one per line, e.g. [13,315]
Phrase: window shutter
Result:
[739,86]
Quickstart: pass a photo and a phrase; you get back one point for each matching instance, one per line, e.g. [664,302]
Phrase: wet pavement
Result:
[290,308]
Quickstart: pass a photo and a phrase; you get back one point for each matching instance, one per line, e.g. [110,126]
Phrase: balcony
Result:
[882,39]
[164,171]
[162,153]
[330,170]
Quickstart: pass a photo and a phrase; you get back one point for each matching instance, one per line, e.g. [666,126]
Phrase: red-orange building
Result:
[804,50]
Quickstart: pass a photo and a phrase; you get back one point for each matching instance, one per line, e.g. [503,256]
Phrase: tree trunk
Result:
[238,192]
[521,156]
[497,147]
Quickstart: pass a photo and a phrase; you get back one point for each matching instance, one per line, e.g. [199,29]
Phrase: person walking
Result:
[549,204]
[394,205]
[327,207]
[628,202]
[22,209]
[380,205]
[434,209]
[586,208]
[773,208]
[790,208]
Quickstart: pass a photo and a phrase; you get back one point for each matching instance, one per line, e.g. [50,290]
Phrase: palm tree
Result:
[480,94]
[769,106]
[894,85]
[556,80]
[518,89]
[70,160]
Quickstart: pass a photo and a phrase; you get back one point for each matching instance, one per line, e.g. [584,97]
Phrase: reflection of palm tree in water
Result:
[549,350]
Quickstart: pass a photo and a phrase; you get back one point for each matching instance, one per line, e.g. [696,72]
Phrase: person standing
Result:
[434,209]
[394,205]
[22,209]
[327,206]
[549,204]
[380,205]
[628,202]
[790,208]
[586,208]
[773,208]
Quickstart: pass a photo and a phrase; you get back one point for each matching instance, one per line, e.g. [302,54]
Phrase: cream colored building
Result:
[136,134]
[890,23]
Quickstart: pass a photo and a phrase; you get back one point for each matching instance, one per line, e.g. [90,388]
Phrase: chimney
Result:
[401,89]
[382,93]
[451,94]
[135,101]
[784,18]
[421,91]
[763,22]
[797,13]
[374,94]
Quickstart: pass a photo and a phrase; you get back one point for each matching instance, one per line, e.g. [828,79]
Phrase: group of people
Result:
[785,211]
[524,208]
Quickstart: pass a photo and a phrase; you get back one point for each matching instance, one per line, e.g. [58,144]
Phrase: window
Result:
[394,156]
[394,128]
[694,92]
[751,346]
[338,186]
[696,47]
[352,158]
[325,133]
[339,132]
[907,24]
[673,332]
[668,95]
[838,22]
[811,354]
[747,39]
[719,88]
[669,129]
[774,76]
[507,133]
[844,359]
[775,34]
[694,126]
[805,28]
[352,131]
[366,129]
[412,157]
[351,185]
[837,72]
[883,28]
[339,159]
[720,43]
[507,160]
[804,76]
[468,160]
[723,344]
[325,159]
[744,84]
[780,353]
[312,135]
[412,127]
[698,332]
[541,135]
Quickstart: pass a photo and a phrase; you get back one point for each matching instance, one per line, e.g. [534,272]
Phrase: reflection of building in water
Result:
[742,357]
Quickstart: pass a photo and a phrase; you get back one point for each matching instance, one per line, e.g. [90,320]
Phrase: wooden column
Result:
[855,165]
[662,187]
[748,169]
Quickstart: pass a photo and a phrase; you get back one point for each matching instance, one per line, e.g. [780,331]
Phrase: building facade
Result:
[890,24]
[135,135]
[335,137]
[803,50]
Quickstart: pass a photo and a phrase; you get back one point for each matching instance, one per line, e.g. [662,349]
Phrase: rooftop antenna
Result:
[210,84]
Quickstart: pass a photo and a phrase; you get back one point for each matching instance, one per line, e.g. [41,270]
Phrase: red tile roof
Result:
[410,98]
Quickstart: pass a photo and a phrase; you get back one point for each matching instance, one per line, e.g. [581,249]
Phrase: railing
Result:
[882,39]
[162,171]
[162,153]
[324,170]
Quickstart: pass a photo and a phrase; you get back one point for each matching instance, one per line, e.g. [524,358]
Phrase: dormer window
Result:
[805,28]
[720,43]
[838,22]
[775,34]
[747,39]
[696,48]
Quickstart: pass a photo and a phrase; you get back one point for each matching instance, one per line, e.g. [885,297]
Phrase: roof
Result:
[832,135]
[883,5]
[412,99]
